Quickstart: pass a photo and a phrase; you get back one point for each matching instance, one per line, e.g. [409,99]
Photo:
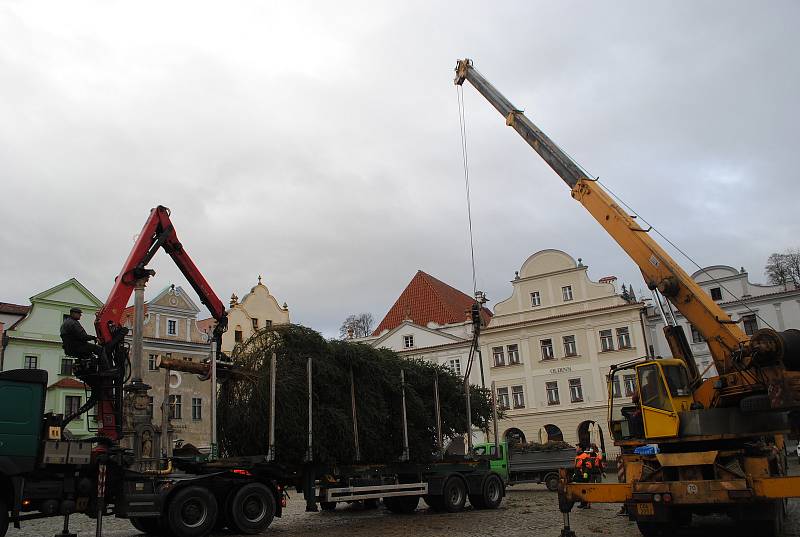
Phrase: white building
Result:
[752,305]
[551,345]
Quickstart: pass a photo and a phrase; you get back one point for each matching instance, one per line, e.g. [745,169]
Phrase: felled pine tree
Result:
[243,405]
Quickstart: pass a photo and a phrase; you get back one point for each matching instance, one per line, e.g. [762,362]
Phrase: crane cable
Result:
[664,237]
[463,124]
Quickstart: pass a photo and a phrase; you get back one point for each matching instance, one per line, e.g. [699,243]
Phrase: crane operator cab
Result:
[658,390]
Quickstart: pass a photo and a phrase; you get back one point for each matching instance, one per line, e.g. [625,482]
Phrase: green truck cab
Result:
[515,466]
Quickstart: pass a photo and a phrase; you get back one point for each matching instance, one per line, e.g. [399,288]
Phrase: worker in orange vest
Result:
[584,464]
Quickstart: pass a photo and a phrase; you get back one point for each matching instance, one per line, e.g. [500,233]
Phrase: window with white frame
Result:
[750,324]
[408,341]
[455,365]
[71,404]
[502,398]
[197,408]
[31,362]
[536,299]
[66,366]
[615,387]
[623,338]
[566,293]
[552,393]
[547,349]
[513,354]
[575,390]
[152,362]
[517,397]
[606,340]
[630,384]
[499,356]
[175,407]
[172,327]
[570,349]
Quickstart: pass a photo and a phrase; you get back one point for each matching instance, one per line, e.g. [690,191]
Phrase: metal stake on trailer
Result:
[214,401]
[437,408]
[494,420]
[355,416]
[273,368]
[406,455]
[309,451]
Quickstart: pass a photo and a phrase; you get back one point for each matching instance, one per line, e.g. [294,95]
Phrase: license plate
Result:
[645,509]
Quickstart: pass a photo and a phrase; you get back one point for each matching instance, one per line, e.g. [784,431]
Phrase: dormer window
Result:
[536,299]
[408,342]
[716,293]
[255,324]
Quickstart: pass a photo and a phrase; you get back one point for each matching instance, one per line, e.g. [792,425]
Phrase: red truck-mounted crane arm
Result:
[106,376]
[157,232]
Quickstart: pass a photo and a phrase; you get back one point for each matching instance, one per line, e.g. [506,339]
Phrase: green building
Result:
[34,342]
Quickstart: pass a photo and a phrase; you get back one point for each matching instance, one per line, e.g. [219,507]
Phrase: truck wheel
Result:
[492,491]
[401,505]
[148,525]
[327,506]
[192,512]
[3,518]
[252,509]
[551,482]
[454,494]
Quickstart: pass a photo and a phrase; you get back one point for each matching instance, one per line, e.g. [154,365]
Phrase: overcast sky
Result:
[317,143]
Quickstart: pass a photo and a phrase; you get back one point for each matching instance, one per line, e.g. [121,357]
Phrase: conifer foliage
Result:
[243,405]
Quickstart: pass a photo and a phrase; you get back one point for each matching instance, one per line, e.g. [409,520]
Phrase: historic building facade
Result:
[34,342]
[550,346]
[171,331]
[751,305]
[257,309]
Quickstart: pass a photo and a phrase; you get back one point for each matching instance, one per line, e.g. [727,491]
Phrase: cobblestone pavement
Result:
[527,511]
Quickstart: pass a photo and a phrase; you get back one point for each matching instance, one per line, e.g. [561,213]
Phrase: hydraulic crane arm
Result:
[157,232]
[106,376]
[725,339]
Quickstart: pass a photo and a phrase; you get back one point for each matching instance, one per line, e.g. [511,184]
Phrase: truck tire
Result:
[327,506]
[148,525]
[454,495]
[491,493]
[3,518]
[656,529]
[252,509]
[551,481]
[192,512]
[401,505]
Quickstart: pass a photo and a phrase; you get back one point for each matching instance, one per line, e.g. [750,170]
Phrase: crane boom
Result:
[660,271]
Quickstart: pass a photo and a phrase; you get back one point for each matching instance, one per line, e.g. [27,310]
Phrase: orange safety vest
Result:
[584,461]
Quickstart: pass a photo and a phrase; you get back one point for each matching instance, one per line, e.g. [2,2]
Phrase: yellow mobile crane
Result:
[718,441]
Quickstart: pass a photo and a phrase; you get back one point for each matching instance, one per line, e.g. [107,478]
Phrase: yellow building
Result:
[257,309]
[549,347]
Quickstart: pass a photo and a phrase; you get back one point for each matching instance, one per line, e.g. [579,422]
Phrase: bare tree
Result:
[357,326]
[784,269]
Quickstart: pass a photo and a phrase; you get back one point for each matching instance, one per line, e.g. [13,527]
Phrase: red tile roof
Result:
[427,299]
[13,309]
[68,383]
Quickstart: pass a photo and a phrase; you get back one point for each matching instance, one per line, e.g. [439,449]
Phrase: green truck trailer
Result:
[518,466]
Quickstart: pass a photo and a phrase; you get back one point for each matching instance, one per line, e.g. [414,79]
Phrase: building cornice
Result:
[563,316]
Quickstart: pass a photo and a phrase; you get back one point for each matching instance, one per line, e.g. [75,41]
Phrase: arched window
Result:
[514,436]
[551,433]
[590,432]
